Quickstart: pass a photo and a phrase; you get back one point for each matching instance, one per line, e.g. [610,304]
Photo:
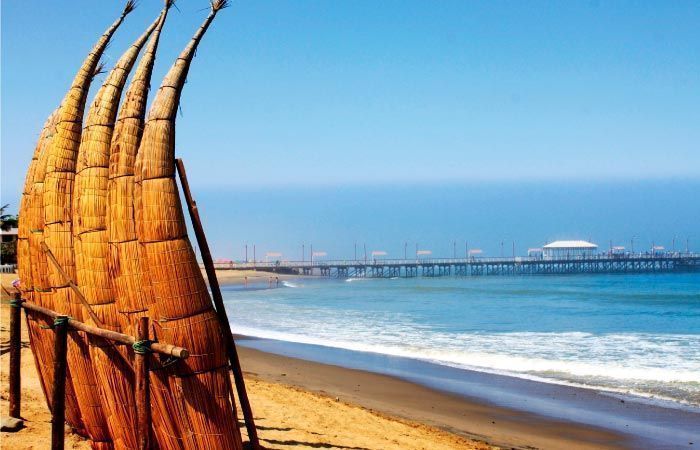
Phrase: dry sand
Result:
[287,417]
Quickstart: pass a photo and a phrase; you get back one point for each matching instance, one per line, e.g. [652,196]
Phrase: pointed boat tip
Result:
[130,6]
[217,5]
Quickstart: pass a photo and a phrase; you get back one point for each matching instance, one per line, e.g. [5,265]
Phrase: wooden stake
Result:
[58,415]
[142,386]
[15,355]
[219,306]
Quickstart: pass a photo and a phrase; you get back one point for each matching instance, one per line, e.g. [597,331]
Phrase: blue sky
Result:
[297,94]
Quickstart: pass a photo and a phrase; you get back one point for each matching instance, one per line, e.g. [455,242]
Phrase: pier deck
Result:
[390,268]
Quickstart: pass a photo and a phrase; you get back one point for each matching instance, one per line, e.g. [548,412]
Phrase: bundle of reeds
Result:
[199,395]
[113,374]
[58,188]
[32,272]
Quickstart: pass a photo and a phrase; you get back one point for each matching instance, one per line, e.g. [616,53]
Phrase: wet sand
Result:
[502,427]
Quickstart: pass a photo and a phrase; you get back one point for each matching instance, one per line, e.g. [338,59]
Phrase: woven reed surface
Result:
[196,392]
[57,199]
[33,269]
[26,222]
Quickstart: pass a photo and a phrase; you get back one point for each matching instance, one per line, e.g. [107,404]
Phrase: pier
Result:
[479,266]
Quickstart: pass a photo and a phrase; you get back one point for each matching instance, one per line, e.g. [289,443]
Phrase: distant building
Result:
[568,249]
[9,245]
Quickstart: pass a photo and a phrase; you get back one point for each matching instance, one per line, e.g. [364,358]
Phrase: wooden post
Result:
[15,355]
[219,306]
[59,382]
[142,386]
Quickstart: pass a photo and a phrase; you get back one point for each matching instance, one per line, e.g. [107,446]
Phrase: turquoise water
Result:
[635,334]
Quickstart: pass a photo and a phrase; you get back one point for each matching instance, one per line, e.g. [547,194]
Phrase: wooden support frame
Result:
[158,347]
[219,307]
[62,323]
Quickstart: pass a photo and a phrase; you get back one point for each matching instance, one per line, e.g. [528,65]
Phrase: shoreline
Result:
[628,421]
[469,418]
[498,409]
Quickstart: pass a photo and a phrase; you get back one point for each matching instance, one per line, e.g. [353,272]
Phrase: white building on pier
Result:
[568,250]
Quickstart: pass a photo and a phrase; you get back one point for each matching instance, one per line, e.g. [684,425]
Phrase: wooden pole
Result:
[15,355]
[158,347]
[58,415]
[219,306]
[142,386]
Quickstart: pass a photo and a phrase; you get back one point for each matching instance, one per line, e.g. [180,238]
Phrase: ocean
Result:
[632,335]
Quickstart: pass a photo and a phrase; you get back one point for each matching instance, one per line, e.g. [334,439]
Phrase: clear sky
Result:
[297,94]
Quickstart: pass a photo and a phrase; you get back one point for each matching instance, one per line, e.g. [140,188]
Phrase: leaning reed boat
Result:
[32,270]
[131,287]
[57,198]
[199,397]
[112,370]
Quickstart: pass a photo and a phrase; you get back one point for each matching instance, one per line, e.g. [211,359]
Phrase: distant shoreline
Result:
[257,278]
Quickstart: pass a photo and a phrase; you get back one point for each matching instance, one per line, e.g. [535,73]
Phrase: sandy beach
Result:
[287,416]
[304,404]
[254,278]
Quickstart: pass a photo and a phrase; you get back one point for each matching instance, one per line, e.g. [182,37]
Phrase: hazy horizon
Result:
[434,216]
